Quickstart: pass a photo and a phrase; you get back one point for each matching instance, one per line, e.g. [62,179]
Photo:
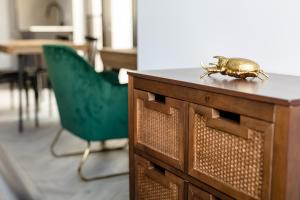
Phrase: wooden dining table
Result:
[23,47]
[119,58]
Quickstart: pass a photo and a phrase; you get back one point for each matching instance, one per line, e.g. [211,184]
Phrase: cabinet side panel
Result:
[131,139]
[293,168]
[280,146]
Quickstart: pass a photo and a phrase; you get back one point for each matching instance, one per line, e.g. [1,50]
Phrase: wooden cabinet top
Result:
[278,89]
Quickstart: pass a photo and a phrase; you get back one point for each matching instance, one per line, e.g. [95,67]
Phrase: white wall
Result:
[67,7]
[79,20]
[7,32]
[121,24]
[177,33]
[33,12]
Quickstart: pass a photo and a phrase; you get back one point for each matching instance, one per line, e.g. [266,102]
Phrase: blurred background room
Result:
[103,32]
[73,124]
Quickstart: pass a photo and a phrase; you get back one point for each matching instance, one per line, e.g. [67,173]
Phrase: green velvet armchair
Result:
[92,106]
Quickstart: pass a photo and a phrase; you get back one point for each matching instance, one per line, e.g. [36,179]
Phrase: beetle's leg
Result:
[253,74]
[256,74]
[205,67]
[208,73]
[263,73]
[203,75]
[259,77]
[214,70]
[210,70]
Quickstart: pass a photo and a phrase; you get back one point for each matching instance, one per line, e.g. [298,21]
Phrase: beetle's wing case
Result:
[242,65]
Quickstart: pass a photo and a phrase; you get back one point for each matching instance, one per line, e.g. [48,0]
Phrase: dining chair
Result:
[10,76]
[92,106]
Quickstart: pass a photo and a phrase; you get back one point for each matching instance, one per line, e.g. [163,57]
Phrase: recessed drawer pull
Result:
[154,182]
[224,121]
[158,103]
[157,175]
[197,193]
[227,125]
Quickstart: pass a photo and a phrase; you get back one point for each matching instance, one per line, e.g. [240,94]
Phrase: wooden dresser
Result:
[213,138]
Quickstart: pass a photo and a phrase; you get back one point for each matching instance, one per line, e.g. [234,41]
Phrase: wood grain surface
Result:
[278,89]
[33,46]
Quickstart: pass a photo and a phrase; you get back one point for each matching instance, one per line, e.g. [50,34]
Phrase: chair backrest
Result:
[91,105]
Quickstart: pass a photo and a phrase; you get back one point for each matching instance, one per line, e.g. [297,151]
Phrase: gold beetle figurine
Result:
[236,67]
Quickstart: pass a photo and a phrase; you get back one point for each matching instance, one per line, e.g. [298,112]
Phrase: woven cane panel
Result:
[148,189]
[229,159]
[158,131]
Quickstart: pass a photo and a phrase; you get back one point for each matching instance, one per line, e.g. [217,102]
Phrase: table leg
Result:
[36,109]
[27,98]
[21,82]
[12,96]
[37,89]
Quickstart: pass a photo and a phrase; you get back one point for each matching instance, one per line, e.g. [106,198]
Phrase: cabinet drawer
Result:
[159,127]
[198,194]
[155,183]
[230,151]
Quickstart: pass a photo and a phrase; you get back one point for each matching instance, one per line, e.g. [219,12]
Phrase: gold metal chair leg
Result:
[85,155]
[62,155]
[82,162]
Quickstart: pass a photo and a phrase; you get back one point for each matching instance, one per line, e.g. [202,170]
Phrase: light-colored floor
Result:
[57,178]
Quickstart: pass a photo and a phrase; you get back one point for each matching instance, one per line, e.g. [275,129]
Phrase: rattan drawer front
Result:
[159,128]
[198,194]
[154,183]
[233,156]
